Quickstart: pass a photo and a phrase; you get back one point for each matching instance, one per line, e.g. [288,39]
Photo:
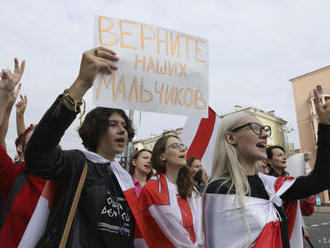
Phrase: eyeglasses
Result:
[178,146]
[256,128]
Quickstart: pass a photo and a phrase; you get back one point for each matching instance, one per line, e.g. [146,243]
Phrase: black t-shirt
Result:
[115,227]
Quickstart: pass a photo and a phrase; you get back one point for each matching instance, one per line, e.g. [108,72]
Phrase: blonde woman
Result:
[246,209]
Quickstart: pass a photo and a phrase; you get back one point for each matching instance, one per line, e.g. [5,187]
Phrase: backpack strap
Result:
[14,190]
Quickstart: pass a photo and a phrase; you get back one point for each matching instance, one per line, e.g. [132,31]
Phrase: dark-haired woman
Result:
[276,161]
[140,169]
[106,208]
[199,173]
[168,207]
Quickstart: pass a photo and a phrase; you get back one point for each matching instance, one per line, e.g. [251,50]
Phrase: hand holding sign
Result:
[96,60]
[322,109]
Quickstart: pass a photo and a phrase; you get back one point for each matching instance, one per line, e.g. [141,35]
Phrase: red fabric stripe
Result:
[154,197]
[290,207]
[137,232]
[131,198]
[149,228]
[270,235]
[187,217]
[202,136]
[151,232]
[291,211]
[307,206]
[49,192]
[280,181]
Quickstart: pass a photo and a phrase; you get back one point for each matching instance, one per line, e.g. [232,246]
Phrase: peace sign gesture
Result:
[322,109]
[9,80]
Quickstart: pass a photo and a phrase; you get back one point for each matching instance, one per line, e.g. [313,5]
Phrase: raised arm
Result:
[42,155]
[20,110]
[8,82]
[319,178]
[5,121]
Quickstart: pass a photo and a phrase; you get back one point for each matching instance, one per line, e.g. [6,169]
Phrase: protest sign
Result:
[160,70]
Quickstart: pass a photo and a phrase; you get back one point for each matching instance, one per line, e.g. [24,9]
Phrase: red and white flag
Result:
[38,222]
[165,219]
[261,227]
[200,134]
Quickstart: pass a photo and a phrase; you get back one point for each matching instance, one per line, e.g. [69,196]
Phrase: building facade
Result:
[150,142]
[307,118]
[267,118]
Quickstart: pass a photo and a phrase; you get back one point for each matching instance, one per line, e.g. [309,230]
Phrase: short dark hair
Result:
[131,168]
[270,149]
[190,160]
[96,124]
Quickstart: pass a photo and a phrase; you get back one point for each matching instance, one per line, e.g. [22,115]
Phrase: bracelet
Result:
[74,103]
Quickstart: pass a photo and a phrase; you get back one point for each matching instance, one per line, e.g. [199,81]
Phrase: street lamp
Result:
[286,130]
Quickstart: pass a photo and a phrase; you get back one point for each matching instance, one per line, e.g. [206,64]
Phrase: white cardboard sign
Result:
[160,70]
[296,165]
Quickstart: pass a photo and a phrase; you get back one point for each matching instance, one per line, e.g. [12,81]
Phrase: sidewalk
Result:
[322,209]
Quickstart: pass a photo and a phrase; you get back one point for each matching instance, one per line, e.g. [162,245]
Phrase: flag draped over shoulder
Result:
[261,225]
[165,219]
[200,134]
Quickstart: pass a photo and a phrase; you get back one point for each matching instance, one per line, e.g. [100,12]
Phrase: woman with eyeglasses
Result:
[169,207]
[246,209]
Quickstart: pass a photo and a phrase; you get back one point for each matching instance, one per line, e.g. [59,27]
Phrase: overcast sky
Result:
[255,48]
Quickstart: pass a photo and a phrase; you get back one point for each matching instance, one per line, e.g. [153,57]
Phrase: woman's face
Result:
[196,165]
[279,159]
[175,153]
[250,146]
[143,163]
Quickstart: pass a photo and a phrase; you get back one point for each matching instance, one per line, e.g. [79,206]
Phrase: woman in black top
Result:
[241,142]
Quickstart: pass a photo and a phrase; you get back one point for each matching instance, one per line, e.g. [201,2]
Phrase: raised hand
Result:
[322,109]
[13,96]
[9,79]
[96,60]
[21,105]
[205,177]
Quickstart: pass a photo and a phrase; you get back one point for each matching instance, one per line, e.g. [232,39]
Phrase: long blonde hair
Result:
[226,165]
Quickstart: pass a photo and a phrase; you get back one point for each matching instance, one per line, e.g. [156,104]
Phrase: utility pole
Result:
[127,153]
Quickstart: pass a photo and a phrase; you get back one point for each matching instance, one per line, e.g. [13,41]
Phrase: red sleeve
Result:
[8,171]
[307,206]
